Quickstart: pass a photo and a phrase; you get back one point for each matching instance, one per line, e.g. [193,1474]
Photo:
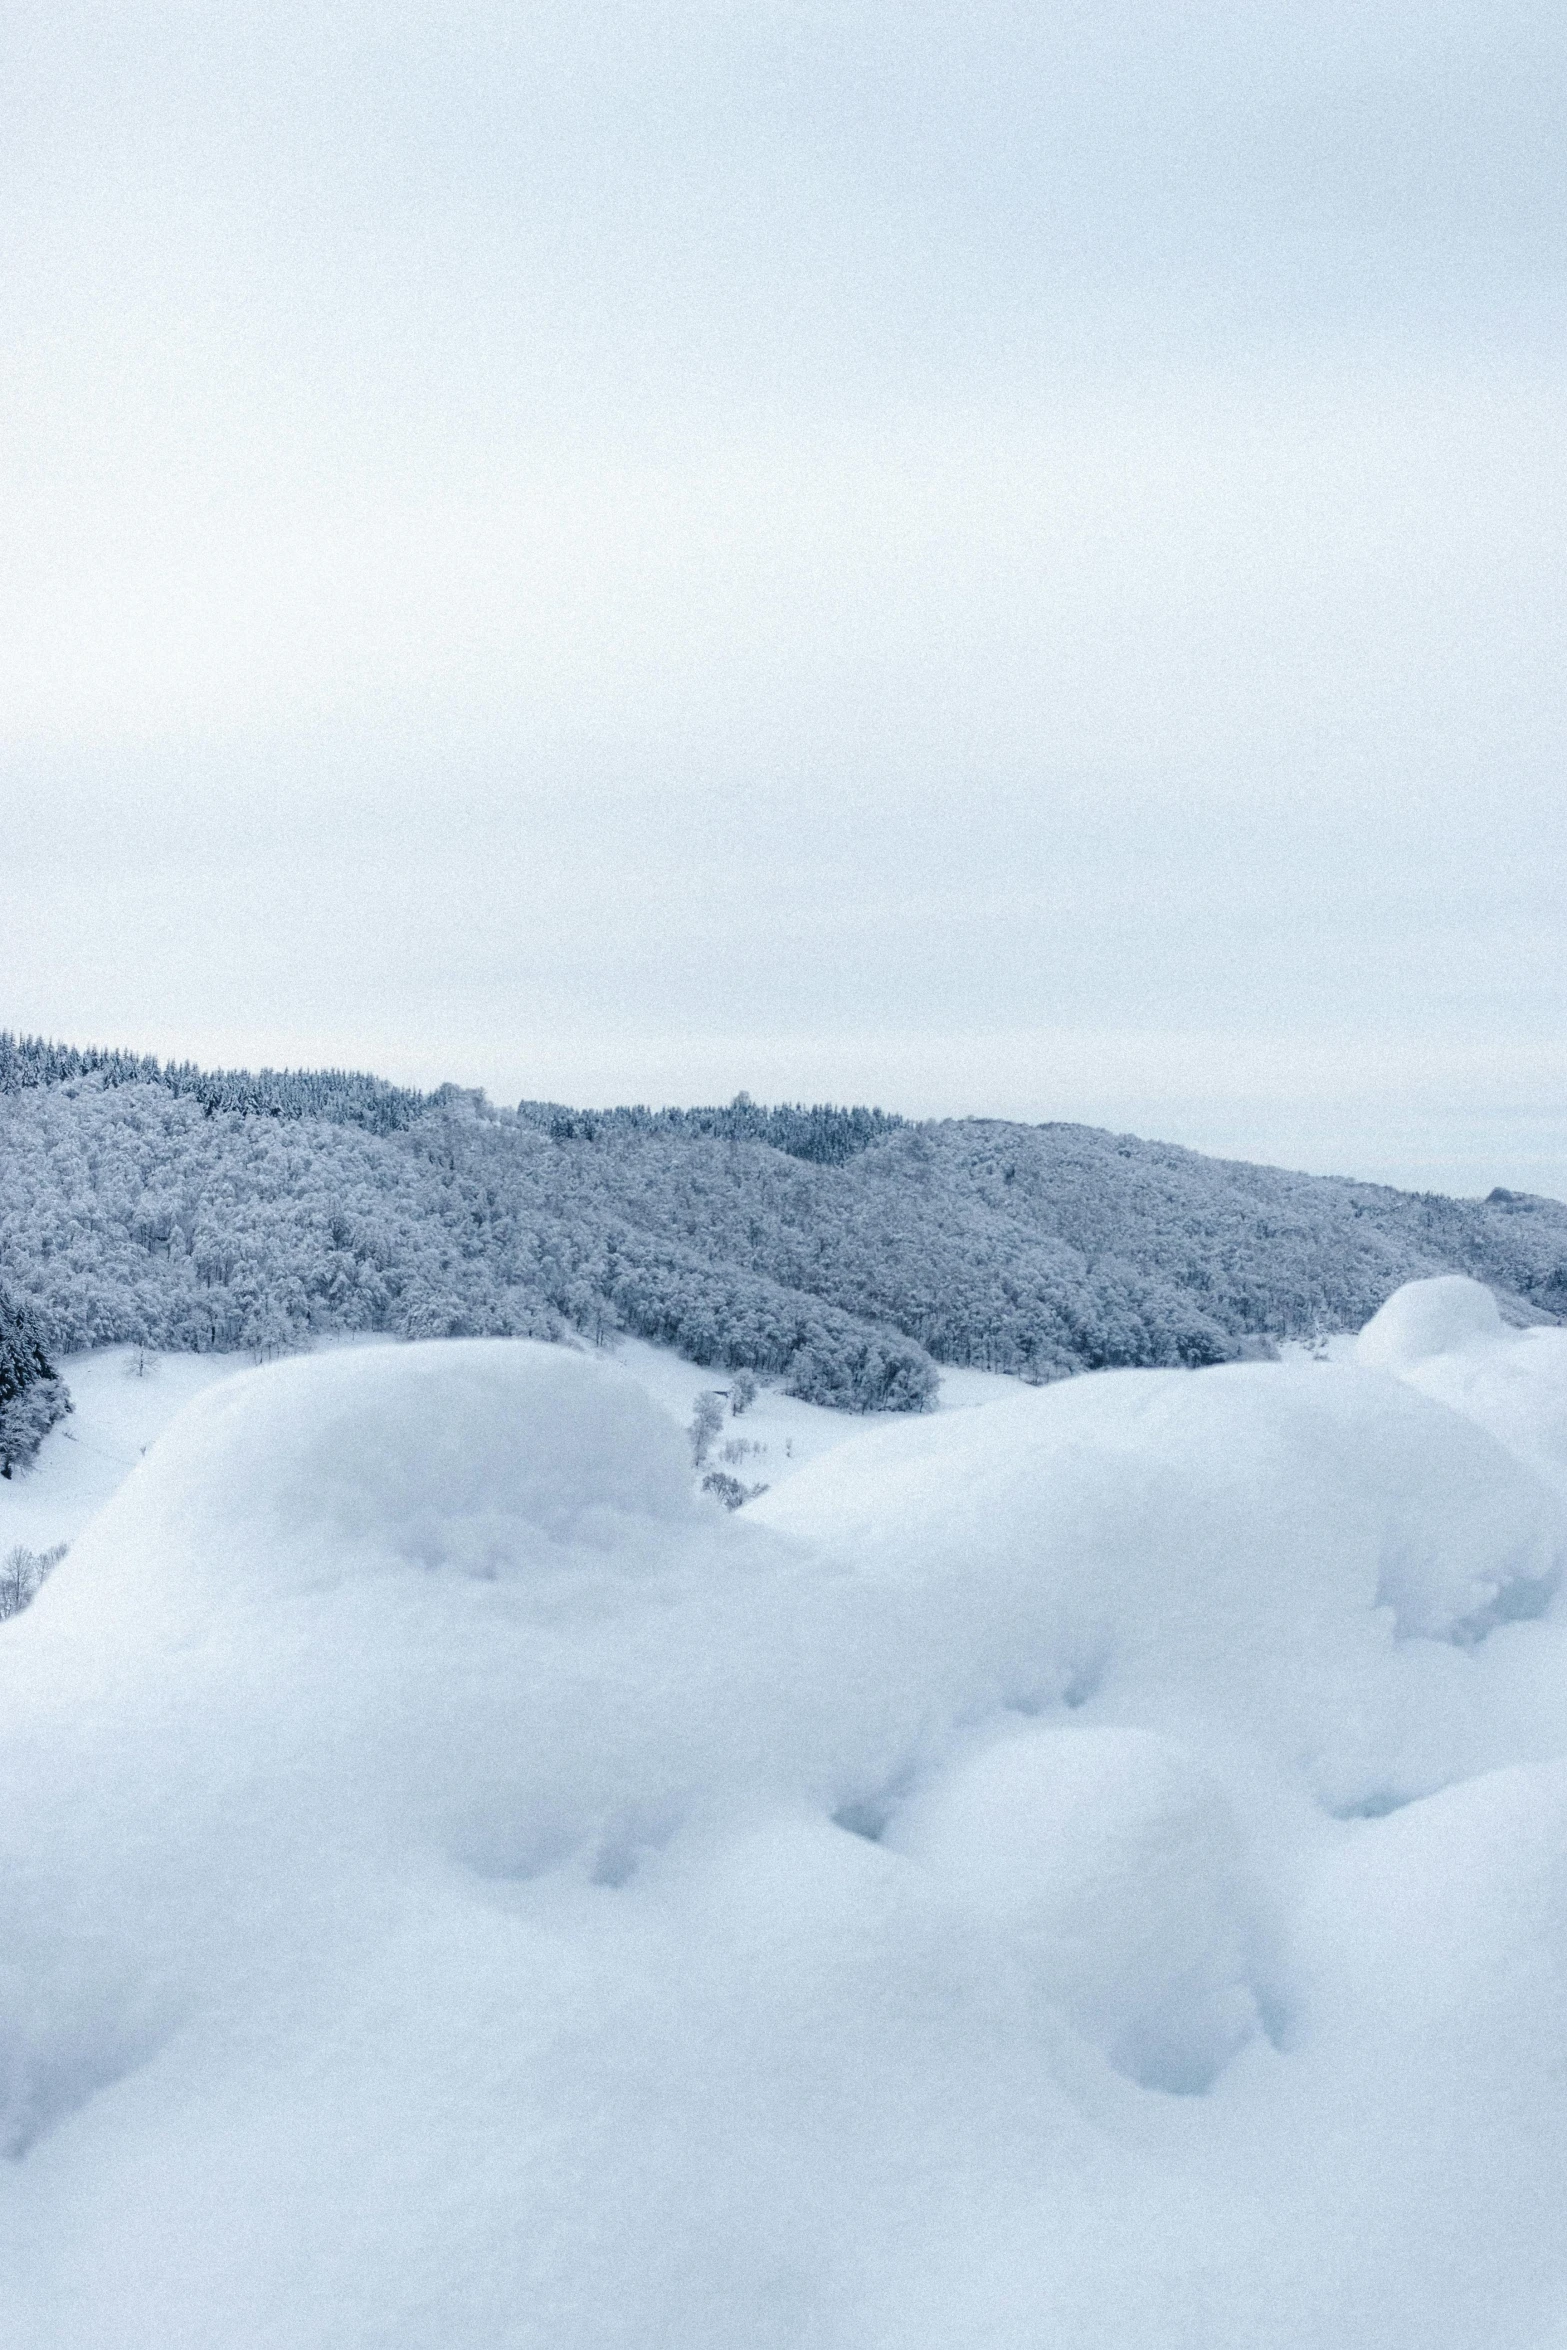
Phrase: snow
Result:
[1512,1382]
[781,1432]
[1429,1318]
[1117,1863]
[1091,1865]
[124,1397]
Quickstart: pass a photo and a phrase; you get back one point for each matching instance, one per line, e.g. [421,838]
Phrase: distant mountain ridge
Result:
[847,1251]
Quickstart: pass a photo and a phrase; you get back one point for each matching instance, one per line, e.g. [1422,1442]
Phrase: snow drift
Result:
[1093,1866]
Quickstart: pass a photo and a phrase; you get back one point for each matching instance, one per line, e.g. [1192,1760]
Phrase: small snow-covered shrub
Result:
[729,1490]
[22,1575]
[706,1420]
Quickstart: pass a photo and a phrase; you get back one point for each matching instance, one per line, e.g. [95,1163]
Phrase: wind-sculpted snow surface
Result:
[1446,1338]
[1091,1868]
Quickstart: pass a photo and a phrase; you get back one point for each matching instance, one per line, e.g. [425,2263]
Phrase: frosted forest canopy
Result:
[847,1252]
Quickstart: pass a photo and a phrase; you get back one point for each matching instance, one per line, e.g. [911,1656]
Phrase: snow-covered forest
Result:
[846,1252]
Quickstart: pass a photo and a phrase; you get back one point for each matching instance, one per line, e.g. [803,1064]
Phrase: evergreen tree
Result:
[32,1399]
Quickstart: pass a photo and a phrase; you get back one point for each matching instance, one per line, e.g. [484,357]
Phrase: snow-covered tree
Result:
[32,1399]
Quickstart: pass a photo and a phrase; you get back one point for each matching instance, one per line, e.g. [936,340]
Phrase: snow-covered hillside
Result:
[1087,1868]
[845,1253]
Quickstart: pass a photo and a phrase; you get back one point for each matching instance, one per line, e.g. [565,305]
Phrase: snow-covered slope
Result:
[125,1396]
[1089,1868]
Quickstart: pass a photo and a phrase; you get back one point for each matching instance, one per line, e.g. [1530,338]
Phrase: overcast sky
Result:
[977,557]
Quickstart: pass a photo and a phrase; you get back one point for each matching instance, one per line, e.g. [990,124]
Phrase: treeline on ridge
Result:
[345,1097]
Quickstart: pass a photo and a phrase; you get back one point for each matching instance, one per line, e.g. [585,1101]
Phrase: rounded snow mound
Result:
[483,1455]
[1427,1318]
[1178,1515]
[1118,1861]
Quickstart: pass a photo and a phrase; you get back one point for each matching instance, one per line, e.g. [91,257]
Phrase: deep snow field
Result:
[123,1398]
[1088,1868]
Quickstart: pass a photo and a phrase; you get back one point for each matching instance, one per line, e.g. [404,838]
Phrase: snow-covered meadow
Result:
[1090,1867]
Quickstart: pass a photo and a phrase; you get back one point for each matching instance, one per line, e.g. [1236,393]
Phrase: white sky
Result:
[979,557]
